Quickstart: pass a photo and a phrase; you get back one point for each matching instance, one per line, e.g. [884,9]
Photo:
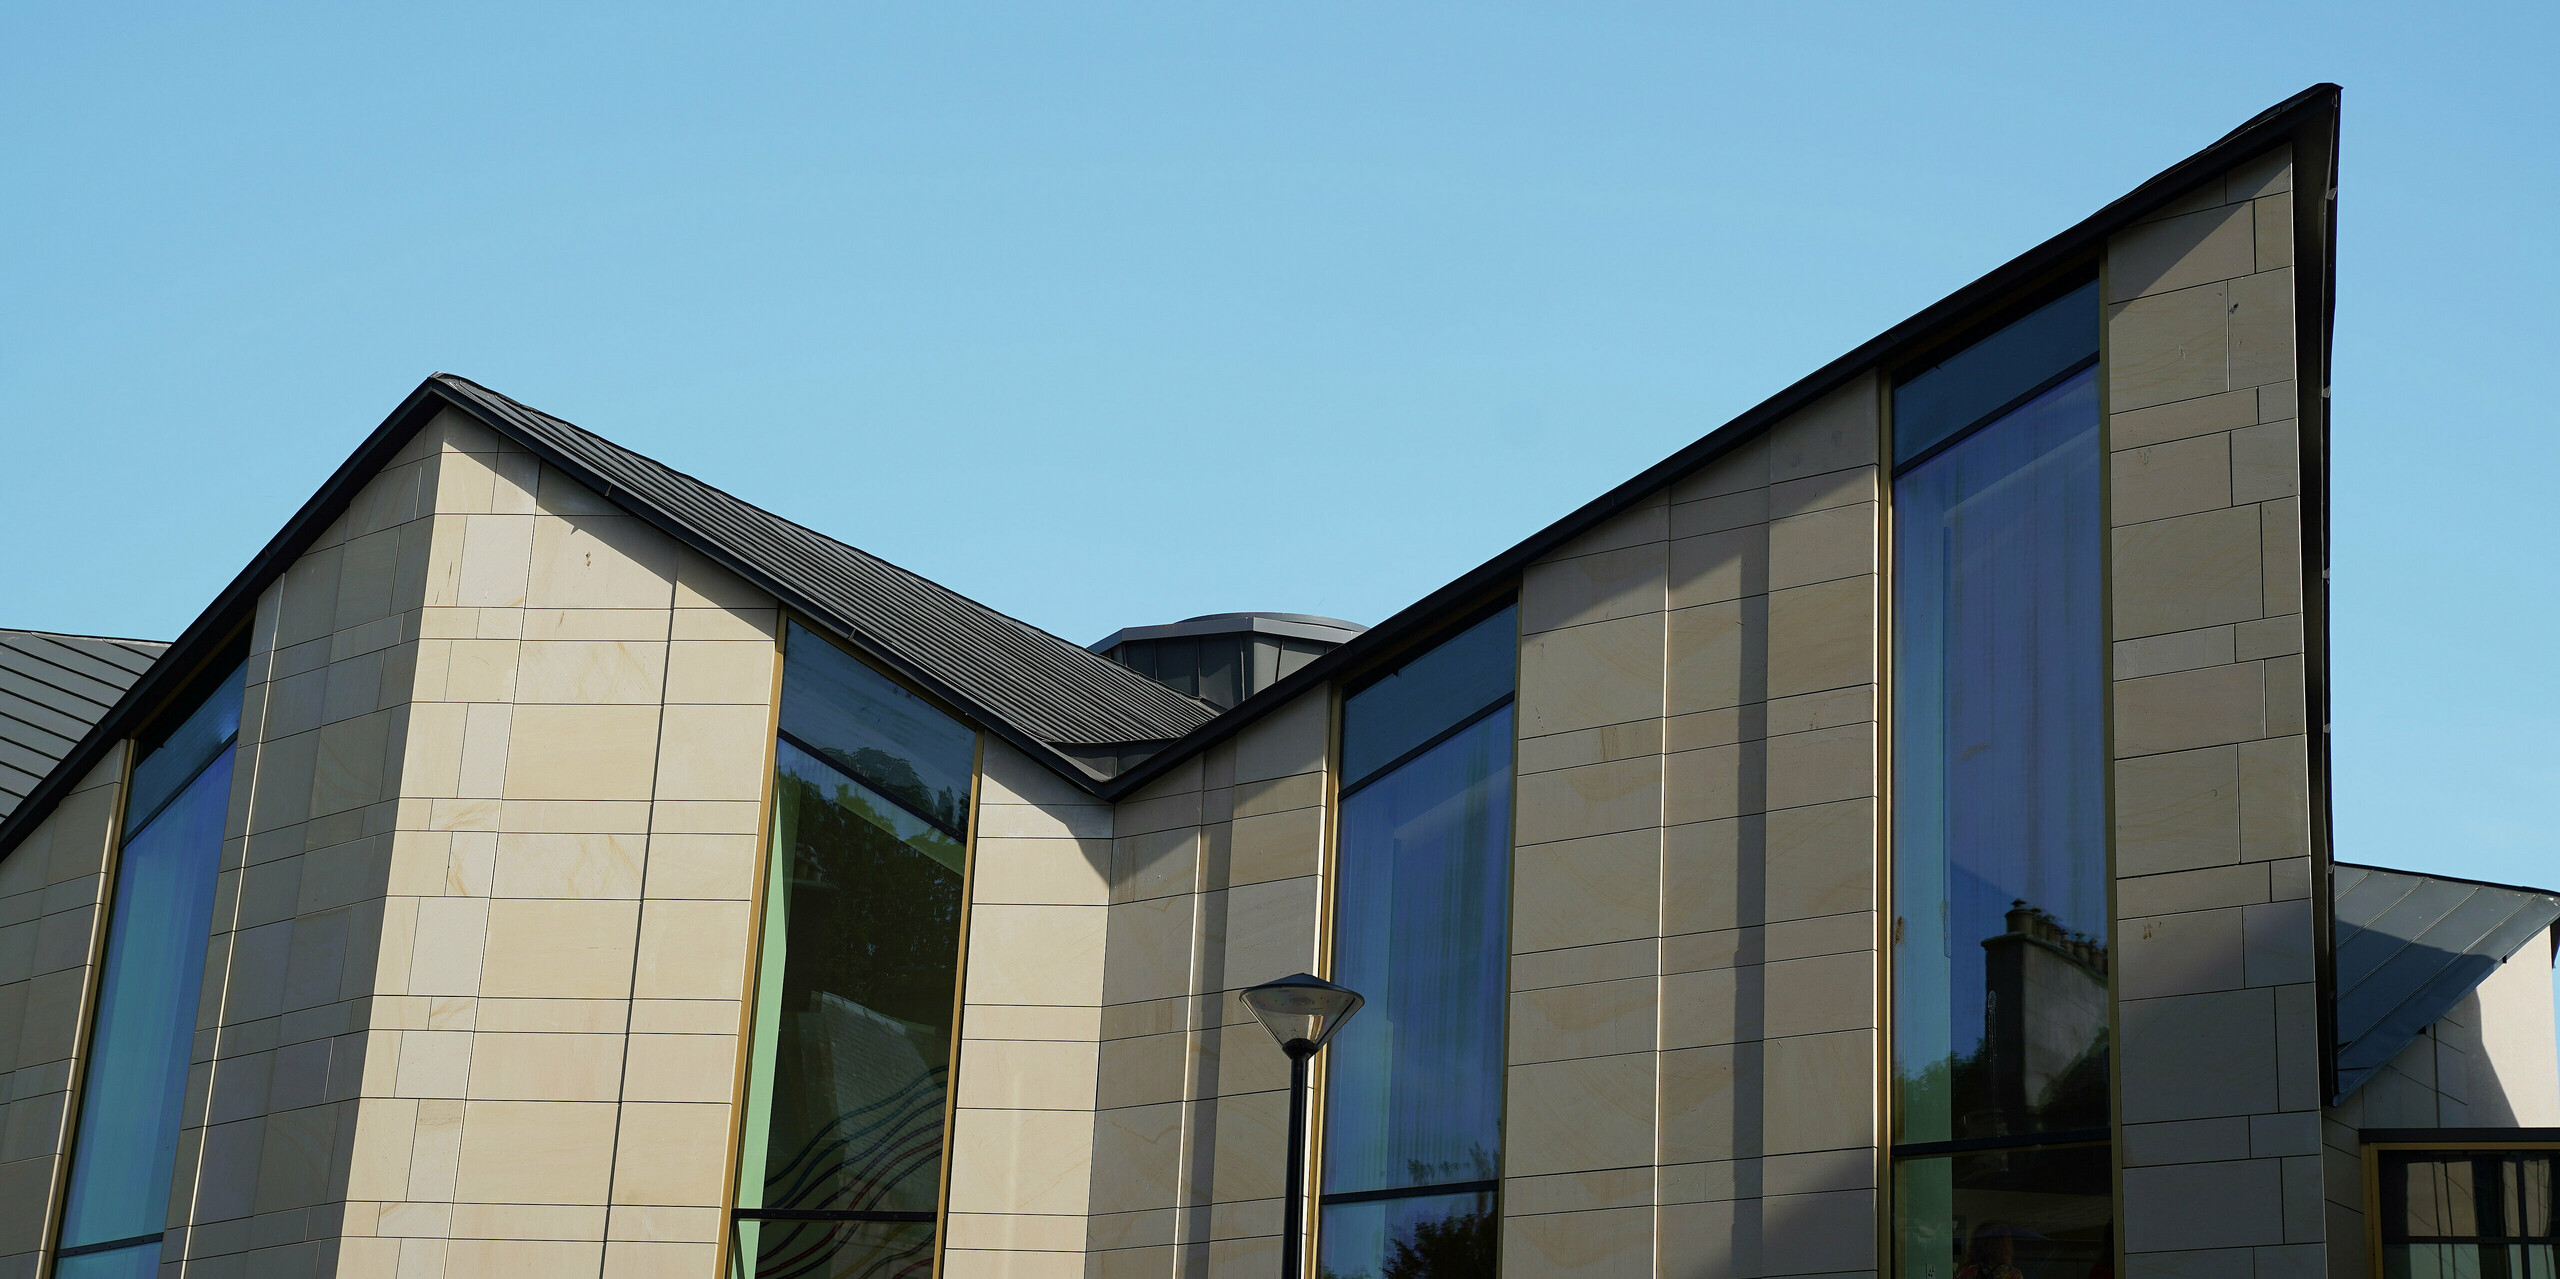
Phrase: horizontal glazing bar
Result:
[818,1214]
[1412,1192]
[2018,1141]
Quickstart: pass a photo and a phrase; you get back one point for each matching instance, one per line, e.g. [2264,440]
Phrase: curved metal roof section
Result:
[2409,947]
[1053,690]
[53,689]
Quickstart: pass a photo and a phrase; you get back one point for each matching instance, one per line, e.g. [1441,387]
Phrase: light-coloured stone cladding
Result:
[1120,1111]
[1021,1151]
[2217,1014]
[1694,1011]
[481,936]
[51,888]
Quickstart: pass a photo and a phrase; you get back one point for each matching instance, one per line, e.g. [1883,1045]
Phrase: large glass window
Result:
[1413,1087]
[2469,1214]
[842,1167]
[2000,932]
[159,924]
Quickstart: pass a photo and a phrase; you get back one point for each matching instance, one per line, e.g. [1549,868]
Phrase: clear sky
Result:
[1109,315]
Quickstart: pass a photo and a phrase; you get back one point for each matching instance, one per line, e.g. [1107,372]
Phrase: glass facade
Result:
[1413,1085]
[126,1146]
[2464,1214]
[2000,931]
[842,1168]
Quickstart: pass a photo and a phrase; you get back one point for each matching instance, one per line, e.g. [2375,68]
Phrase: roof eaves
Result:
[2311,109]
[469,397]
[232,606]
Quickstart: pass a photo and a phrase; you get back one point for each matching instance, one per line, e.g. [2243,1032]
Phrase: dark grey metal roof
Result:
[52,689]
[1330,630]
[1033,694]
[1004,669]
[2409,947]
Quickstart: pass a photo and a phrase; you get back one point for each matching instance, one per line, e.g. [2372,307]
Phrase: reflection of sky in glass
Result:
[163,914]
[866,724]
[1428,694]
[1414,1083]
[1999,761]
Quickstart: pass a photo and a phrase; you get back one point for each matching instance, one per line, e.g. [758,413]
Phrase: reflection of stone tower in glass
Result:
[2045,1016]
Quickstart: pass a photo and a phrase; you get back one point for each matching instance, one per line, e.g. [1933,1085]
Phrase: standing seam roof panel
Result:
[52,689]
[1053,690]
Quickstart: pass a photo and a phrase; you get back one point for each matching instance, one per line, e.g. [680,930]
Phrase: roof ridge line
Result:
[891,565]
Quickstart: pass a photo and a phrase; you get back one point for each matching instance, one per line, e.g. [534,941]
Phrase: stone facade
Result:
[1693,1041]
[487,903]
[51,890]
[481,932]
[2217,1014]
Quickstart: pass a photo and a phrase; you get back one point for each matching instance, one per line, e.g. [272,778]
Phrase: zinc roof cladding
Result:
[53,688]
[2408,947]
[1148,715]
[1053,690]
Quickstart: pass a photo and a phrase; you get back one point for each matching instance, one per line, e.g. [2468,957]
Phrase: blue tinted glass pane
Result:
[1471,671]
[128,1139]
[865,724]
[855,1039]
[167,766]
[1425,1237]
[1929,408]
[1414,1083]
[141,1261]
[2000,779]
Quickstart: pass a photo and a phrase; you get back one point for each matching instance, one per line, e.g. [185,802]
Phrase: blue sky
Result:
[1111,314]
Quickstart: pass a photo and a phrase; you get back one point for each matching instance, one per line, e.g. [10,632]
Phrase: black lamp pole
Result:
[1302,1012]
[1293,1208]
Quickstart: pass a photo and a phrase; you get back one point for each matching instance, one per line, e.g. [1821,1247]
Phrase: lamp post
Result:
[1302,1012]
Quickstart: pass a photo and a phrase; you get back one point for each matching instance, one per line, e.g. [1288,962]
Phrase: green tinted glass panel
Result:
[832,1250]
[2041,1213]
[863,723]
[853,1023]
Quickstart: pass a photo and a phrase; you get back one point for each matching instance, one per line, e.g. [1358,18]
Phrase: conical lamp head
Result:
[1302,1009]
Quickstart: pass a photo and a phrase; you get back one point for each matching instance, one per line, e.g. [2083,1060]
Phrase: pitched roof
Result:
[52,689]
[1007,670]
[2308,121]
[2408,947]
[1024,685]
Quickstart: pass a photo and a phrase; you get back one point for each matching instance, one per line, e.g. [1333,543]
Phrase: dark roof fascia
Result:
[2307,119]
[2315,238]
[2463,1136]
[803,608]
[1330,632]
[231,609]
[237,603]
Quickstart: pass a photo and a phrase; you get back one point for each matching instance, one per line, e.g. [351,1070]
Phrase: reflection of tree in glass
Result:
[1454,1247]
[844,1250]
[896,777]
[864,1037]
[1475,1165]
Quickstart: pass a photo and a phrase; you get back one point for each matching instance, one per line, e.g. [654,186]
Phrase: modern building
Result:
[1888,837]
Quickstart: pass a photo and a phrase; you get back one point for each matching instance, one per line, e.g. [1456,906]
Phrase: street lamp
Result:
[1302,1012]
